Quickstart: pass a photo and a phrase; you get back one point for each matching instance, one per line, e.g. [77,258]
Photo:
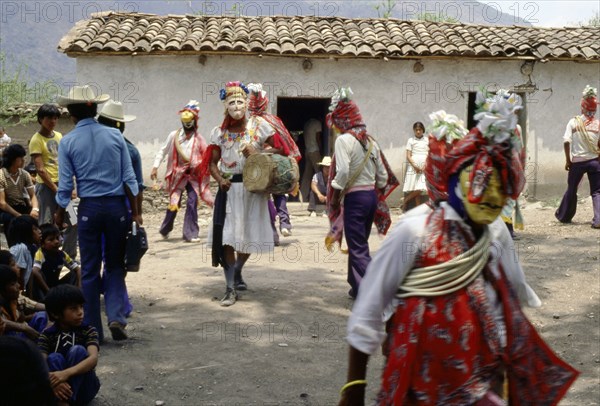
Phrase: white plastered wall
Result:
[390,94]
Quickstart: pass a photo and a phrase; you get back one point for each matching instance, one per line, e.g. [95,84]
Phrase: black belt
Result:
[237,178]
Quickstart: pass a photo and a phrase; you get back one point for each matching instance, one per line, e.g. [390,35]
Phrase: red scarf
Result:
[257,106]
[176,173]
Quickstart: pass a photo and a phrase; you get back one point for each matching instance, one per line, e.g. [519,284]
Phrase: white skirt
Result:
[247,222]
[414,180]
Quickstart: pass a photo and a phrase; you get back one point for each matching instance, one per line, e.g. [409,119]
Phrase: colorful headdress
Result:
[257,106]
[344,113]
[258,101]
[233,89]
[493,143]
[192,107]
[444,131]
[589,101]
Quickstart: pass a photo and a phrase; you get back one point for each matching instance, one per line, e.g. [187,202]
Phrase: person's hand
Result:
[35,214]
[154,174]
[225,184]
[353,396]
[30,332]
[248,150]
[568,165]
[73,194]
[58,377]
[322,198]
[63,391]
[138,219]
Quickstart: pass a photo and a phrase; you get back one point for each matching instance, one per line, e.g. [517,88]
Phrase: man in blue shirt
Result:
[97,158]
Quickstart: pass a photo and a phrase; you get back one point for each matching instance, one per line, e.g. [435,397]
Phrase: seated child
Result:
[14,320]
[70,347]
[25,305]
[23,239]
[49,261]
[318,188]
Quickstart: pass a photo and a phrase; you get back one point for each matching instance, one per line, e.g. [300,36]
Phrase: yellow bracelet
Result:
[353,383]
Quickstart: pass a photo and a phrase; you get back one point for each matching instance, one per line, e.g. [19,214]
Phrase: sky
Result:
[548,13]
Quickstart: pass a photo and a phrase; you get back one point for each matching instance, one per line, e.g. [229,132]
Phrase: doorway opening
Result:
[522,122]
[295,112]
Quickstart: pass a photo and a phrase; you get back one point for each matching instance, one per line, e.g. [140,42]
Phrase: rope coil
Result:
[450,276]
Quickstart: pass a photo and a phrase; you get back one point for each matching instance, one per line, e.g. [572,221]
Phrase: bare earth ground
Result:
[283,342]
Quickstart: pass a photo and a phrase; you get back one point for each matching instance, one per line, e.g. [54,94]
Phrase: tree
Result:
[438,18]
[385,8]
[17,89]
[594,21]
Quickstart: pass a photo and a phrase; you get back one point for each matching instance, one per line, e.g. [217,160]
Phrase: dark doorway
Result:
[295,112]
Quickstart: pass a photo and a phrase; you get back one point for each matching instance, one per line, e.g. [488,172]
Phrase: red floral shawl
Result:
[176,173]
[446,350]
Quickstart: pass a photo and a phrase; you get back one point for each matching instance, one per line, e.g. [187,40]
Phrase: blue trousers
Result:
[38,322]
[84,386]
[359,212]
[103,218]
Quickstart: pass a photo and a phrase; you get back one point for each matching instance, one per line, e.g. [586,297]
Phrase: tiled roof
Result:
[126,33]
[26,109]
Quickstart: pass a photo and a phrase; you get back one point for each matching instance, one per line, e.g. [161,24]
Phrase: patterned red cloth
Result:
[485,156]
[589,103]
[257,106]
[346,117]
[435,168]
[446,350]
[176,174]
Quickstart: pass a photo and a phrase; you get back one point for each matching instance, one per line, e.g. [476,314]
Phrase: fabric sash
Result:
[219,213]
[382,218]
[586,136]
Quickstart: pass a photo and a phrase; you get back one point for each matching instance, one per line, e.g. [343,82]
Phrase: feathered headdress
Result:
[493,143]
[444,131]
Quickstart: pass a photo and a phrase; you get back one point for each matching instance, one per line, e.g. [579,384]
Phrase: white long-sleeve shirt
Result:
[186,146]
[349,155]
[376,299]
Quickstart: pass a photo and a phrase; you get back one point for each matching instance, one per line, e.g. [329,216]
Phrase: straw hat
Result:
[326,161]
[114,111]
[81,94]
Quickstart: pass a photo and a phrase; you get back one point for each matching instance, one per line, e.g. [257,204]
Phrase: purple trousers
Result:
[568,205]
[359,212]
[190,221]
[282,211]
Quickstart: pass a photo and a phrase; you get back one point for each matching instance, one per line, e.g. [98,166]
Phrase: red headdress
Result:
[492,144]
[257,106]
[589,102]
[444,132]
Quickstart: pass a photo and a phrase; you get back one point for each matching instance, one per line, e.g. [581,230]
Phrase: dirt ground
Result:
[283,342]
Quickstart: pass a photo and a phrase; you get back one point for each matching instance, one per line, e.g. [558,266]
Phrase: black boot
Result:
[239,281]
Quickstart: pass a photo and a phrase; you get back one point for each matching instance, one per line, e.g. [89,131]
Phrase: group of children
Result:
[54,321]
[51,352]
